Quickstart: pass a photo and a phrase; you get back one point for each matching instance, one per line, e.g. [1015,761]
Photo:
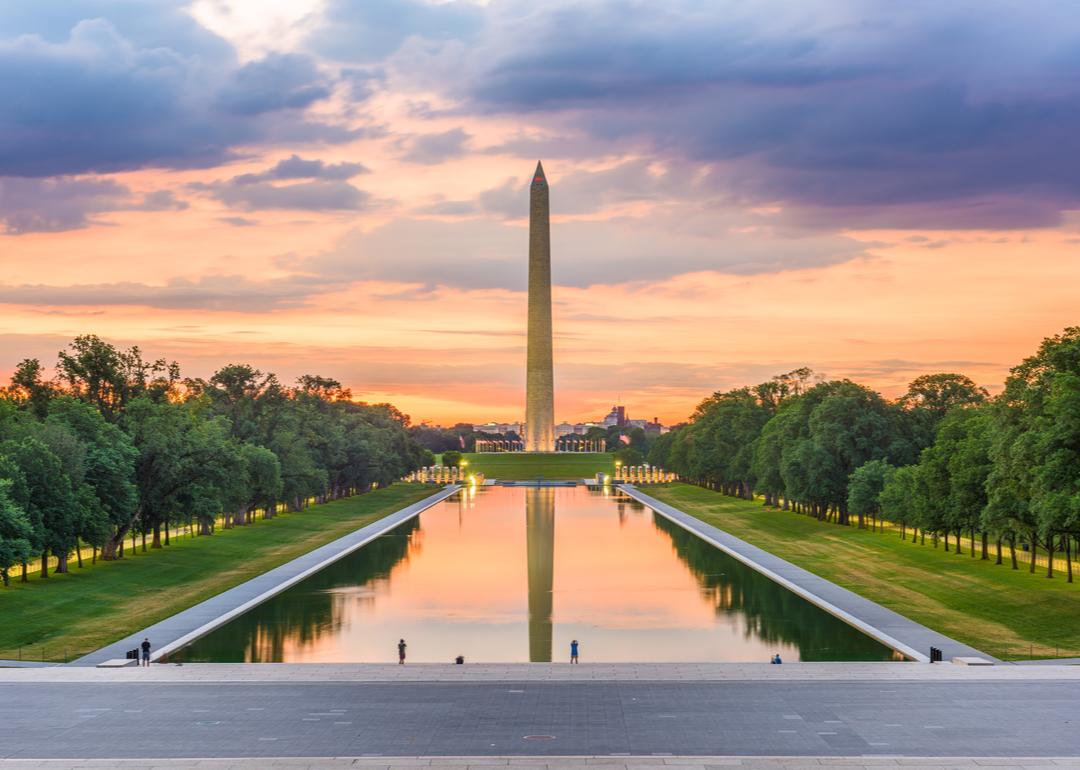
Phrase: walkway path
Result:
[896,631]
[300,673]
[550,763]
[180,629]
[451,719]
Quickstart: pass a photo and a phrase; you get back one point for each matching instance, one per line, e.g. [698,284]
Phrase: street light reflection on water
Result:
[507,574]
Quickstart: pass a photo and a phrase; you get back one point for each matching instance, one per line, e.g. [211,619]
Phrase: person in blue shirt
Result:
[573,651]
[776,659]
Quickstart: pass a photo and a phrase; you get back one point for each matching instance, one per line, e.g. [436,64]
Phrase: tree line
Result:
[114,446]
[945,460]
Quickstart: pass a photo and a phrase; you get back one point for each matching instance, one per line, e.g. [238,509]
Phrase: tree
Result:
[931,396]
[45,494]
[898,495]
[105,489]
[1034,484]
[28,387]
[16,534]
[629,456]
[864,489]
[451,459]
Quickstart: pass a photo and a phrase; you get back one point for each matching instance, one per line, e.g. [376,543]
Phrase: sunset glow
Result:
[347,195]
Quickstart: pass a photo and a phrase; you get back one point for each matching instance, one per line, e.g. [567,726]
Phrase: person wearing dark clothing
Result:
[573,651]
[776,659]
[401,652]
[145,646]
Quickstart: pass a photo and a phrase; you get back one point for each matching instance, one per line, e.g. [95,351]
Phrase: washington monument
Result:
[539,382]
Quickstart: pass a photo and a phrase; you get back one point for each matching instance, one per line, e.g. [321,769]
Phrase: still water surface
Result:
[504,574]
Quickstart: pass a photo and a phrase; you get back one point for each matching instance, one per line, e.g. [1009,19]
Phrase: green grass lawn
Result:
[514,465]
[73,614]
[1003,612]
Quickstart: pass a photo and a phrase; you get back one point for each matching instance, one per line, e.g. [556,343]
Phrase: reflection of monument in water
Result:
[539,379]
[540,544]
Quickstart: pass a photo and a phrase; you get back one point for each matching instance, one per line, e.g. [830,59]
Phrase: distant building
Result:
[565,429]
[617,417]
[500,428]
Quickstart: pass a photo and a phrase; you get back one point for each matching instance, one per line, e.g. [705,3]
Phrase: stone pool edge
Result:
[186,626]
[903,635]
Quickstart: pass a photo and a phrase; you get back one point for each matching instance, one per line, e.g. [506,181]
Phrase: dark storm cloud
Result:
[96,100]
[961,114]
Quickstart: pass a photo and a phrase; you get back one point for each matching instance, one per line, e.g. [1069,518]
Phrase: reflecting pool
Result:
[503,574]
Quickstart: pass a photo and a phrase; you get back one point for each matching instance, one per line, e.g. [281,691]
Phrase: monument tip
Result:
[538,176]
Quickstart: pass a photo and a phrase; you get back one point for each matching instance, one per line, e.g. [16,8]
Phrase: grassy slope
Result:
[990,607]
[514,465]
[91,607]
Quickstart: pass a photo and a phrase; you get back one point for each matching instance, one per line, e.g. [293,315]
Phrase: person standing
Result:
[573,651]
[401,652]
[145,646]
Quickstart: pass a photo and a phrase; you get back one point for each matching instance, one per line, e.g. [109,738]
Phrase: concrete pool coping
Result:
[186,626]
[888,627]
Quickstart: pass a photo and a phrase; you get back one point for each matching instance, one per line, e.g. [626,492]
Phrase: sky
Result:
[738,188]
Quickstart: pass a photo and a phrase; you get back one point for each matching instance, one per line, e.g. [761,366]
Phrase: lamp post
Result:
[618,468]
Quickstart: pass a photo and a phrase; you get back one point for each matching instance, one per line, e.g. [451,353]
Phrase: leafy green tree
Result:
[105,487]
[29,388]
[629,456]
[931,396]
[254,482]
[16,534]
[1034,485]
[864,490]
[97,372]
[451,459]
[45,494]
[897,497]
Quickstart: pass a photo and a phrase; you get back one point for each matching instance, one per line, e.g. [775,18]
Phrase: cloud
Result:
[370,30]
[323,188]
[215,292]
[433,149]
[866,114]
[70,203]
[239,221]
[482,253]
[316,195]
[295,167]
[276,82]
[115,104]
[160,200]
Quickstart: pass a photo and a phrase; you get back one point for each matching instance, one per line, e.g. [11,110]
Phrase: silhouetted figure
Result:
[145,652]
[401,652]
[573,651]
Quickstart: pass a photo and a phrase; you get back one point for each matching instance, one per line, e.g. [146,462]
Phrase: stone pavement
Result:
[745,717]
[550,763]
[281,673]
[892,629]
[176,631]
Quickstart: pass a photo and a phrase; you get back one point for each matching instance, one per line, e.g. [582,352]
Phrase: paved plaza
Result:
[801,710]
[549,763]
